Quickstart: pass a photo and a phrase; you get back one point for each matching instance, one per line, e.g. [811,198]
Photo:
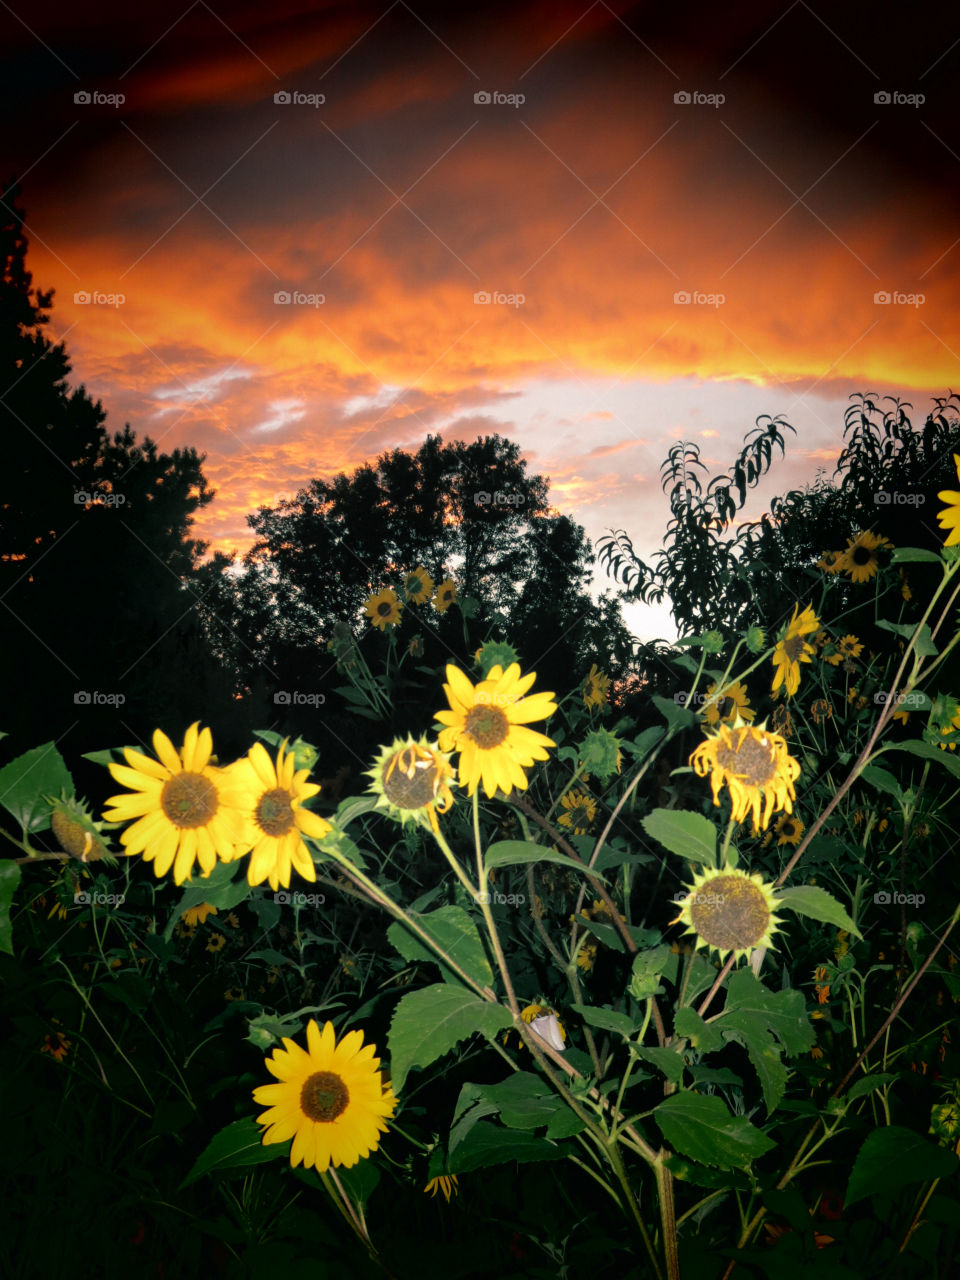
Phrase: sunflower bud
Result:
[75,831]
[755,639]
[712,641]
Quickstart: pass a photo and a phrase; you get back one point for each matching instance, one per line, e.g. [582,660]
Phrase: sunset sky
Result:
[782,196]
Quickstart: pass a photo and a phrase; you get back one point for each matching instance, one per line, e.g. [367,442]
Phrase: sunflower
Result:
[949,517]
[274,819]
[197,915]
[57,1045]
[216,943]
[851,647]
[384,608]
[596,687]
[821,710]
[447,1183]
[860,560]
[730,910]
[586,956]
[76,831]
[330,1099]
[187,809]
[755,766]
[831,561]
[487,724]
[905,585]
[792,649]
[580,811]
[446,595]
[951,727]
[418,586]
[733,701]
[412,781]
[822,987]
[788,829]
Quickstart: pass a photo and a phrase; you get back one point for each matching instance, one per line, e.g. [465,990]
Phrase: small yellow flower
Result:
[57,1045]
[949,517]
[197,915]
[411,780]
[821,710]
[596,688]
[860,560]
[587,955]
[216,943]
[831,562]
[418,586]
[384,608]
[733,701]
[446,595]
[233,993]
[447,1183]
[580,810]
[816,1052]
[793,648]
[788,829]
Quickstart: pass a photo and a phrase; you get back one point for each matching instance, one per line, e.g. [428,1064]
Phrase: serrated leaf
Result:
[810,900]
[749,1030]
[784,1011]
[428,1023]
[222,889]
[702,1129]
[455,932]
[511,853]
[9,880]
[27,780]
[606,1019]
[524,1101]
[688,834]
[669,1061]
[893,1157]
[704,1036]
[676,716]
[489,1144]
[700,1176]
[236,1147]
[926,751]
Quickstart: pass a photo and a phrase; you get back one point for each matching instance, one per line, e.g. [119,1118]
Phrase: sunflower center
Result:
[189,799]
[275,813]
[732,914]
[488,726]
[862,555]
[753,760]
[725,707]
[793,647]
[384,609]
[410,782]
[788,828]
[323,1097]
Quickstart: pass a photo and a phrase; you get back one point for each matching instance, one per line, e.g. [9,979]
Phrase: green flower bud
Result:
[712,642]
[756,640]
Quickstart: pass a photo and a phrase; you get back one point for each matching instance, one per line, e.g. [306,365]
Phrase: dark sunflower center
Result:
[730,913]
[487,726]
[275,813]
[788,829]
[408,792]
[323,1097]
[753,761]
[725,707]
[793,647]
[414,586]
[189,800]
[862,555]
[384,608]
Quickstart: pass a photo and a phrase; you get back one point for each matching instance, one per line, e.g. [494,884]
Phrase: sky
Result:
[295,237]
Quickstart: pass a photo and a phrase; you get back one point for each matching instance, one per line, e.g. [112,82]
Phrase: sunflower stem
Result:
[630,1202]
[483,898]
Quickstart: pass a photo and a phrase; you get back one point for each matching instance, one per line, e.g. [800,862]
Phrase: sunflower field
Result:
[651,976]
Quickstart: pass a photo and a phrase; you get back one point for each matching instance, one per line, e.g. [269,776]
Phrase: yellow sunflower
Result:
[756,768]
[330,1099]
[949,517]
[587,956]
[730,910]
[850,647]
[788,829]
[447,1183]
[792,649]
[384,608]
[216,943]
[187,809]
[418,586]
[860,560]
[446,595]
[580,809]
[487,724]
[412,781]
[197,915]
[831,561]
[274,819]
[733,701]
[953,726]
[596,687]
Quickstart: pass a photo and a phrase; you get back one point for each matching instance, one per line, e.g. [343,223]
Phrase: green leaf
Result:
[811,900]
[676,716]
[456,933]
[354,807]
[25,781]
[109,755]
[683,832]
[236,1147]
[428,1023]
[867,1084]
[893,1157]
[669,1061]
[923,646]
[488,1144]
[926,751]
[703,1177]
[360,1181]
[606,1019]
[702,1129]
[757,1018]
[914,555]
[511,853]
[220,888]
[9,880]
[648,967]
[750,1030]
[883,780]
[525,1101]
[704,1036]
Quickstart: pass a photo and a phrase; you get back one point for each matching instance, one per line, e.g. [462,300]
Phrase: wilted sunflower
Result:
[733,701]
[821,710]
[412,781]
[949,517]
[792,649]
[445,1182]
[756,768]
[330,1099]
[188,809]
[446,595]
[580,809]
[274,819]
[418,586]
[860,560]
[487,723]
[730,910]
[596,687]
[384,608]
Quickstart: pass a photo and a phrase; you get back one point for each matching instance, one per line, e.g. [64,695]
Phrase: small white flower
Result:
[548,1029]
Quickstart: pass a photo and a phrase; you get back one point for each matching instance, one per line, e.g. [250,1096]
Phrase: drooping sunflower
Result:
[444,1182]
[949,517]
[793,648]
[580,809]
[730,910]
[821,710]
[860,560]
[755,766]
[487,724]
[733,701]
[412,781]
[384,608]
[418,585]
[330,1099]
[274,819]
[596,687]
[188,810]
[446,595]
